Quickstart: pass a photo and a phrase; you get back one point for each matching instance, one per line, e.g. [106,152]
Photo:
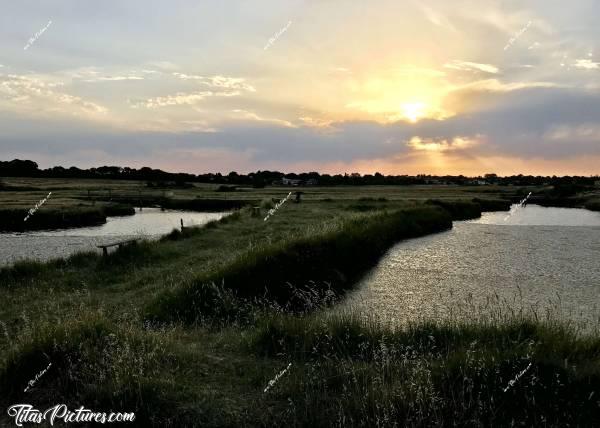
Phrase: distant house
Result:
[290,182]
[597,183]
[312,182]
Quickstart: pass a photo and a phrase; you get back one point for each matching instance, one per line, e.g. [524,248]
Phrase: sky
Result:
[335,86]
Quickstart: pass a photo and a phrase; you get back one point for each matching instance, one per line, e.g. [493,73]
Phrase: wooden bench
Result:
[120,244]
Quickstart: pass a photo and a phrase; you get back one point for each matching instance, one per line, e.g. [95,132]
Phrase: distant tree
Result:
[19,168]
[110,170]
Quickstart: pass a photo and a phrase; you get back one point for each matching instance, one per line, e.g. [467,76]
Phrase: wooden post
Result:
[104,251]
[181,225]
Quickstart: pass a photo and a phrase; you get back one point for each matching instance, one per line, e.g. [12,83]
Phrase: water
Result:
[150,223]
[542,260]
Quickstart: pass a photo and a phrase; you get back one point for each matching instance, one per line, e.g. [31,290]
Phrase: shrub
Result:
[460,210]
[593,205]
[51,218]
[492,204]
[115,210]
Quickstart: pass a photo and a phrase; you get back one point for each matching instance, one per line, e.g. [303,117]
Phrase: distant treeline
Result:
[27,168]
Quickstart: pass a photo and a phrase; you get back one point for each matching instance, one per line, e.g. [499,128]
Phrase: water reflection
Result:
[534,215]
[542,259]
[150,223]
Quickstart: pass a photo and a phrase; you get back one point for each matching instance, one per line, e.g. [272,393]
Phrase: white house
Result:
[290,182]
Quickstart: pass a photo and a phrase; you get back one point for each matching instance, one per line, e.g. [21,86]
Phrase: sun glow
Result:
[402,94]
[413,111]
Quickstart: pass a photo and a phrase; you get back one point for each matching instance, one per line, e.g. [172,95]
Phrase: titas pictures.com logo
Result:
[27,414]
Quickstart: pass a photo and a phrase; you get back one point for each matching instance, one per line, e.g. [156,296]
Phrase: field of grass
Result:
[81,202]
[25,192]
[189,330]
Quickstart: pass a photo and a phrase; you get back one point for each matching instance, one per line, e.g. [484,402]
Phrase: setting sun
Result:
[400,93]
[413,111]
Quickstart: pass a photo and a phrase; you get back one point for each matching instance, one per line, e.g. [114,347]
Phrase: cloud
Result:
[95,74]
[164,65]
[181,98]
[114,78]
[341,70]
[251,116]
[32,94]
[436,17]
[472,66]
[323,124]
[217,86]
[578,133]
[197,126]
[412,71]
[219,81]
[495,85]
[441,144]
[587,64]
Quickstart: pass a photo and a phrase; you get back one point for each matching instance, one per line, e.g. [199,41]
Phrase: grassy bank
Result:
[488,205]
[12,220]
[277,272]
[63,218]
[206,205]
[593,205]
[459,210]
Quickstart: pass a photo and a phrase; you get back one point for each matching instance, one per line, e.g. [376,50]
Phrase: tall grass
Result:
[93,360]
[460,210]
[336,257]
[66,217]
[593,205]
[489,204]
[432,374]
[51,218]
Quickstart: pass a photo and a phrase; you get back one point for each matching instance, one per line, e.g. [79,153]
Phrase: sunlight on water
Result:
[537,262]
[534,215]
[150,223]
